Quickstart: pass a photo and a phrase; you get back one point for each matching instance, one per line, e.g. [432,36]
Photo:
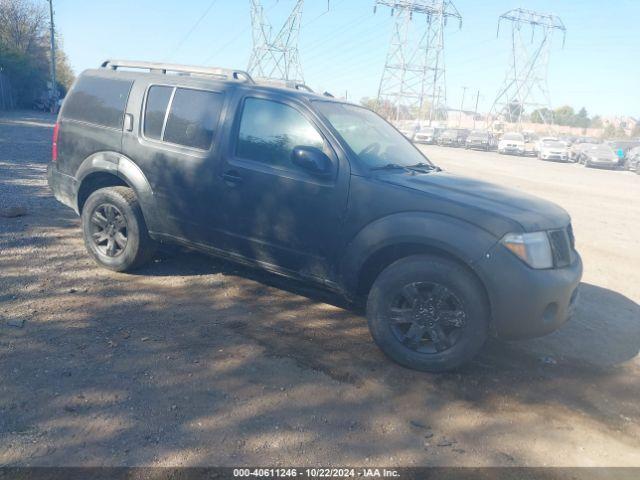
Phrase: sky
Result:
[343,49]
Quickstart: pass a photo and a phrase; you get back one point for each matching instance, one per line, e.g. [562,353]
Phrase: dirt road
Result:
[193,361]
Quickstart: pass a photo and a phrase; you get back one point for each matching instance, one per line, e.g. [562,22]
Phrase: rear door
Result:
[174,140]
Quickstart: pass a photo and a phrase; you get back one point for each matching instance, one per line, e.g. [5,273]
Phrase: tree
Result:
[581,119]
[564,115]
[24,51]
[542,115]
[596,122]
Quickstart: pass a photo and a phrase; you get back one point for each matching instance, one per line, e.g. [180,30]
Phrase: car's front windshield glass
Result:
[513,136]
[554,144]
[479,134]
[372,139]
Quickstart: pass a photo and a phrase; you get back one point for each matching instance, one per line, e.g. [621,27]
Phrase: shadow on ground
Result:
[195,361]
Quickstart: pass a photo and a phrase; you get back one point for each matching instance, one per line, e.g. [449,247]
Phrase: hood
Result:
[477,202]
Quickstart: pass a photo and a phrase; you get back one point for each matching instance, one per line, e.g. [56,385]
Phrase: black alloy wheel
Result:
[109,230]
[427,317]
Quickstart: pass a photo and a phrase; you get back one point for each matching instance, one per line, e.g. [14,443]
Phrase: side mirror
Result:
[312,159]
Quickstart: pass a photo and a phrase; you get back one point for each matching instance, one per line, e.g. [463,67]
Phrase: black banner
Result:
[219,473]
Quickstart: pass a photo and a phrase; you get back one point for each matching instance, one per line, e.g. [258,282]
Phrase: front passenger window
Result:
[269,131]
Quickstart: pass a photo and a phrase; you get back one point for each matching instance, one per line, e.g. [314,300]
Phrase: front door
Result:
[275,212]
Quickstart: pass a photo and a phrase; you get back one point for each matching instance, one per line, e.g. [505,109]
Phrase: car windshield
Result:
[554,144]
[375,142]
[513,136]
[479,134]
[601,149]
[427,131]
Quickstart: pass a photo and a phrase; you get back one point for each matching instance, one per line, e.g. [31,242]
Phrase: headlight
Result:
[532,248]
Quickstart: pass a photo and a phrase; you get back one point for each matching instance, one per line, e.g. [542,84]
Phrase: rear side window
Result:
[193,118]
[157,102]
[100,101]
[269,131]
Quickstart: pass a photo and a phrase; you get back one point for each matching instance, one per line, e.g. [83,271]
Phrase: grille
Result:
[561,246]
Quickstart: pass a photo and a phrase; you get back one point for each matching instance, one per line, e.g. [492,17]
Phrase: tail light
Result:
[54,146]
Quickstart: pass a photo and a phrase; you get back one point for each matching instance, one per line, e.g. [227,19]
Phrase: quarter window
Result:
[97,100]
[269,131]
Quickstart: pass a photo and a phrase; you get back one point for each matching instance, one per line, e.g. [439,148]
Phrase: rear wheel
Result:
[114,230]
[428,313]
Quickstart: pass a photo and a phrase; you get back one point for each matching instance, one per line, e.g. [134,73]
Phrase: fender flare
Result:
[128,171]
[462,240]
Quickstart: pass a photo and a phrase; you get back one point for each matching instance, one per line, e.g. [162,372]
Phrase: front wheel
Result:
[114,230]
[428,313]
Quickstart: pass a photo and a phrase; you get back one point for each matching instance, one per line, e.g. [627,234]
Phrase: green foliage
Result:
[24,52]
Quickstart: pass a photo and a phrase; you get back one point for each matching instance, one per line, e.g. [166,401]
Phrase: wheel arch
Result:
[397,236]
[110,169]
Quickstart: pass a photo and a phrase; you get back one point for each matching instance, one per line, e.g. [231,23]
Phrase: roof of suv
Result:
[215,74]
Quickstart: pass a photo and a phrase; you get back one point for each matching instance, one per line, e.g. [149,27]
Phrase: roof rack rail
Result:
[155,67]
[285,84]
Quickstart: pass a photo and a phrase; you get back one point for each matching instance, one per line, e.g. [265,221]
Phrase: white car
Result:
[551,149]
[540,143]
[426,135]
[409,130]
[512,143]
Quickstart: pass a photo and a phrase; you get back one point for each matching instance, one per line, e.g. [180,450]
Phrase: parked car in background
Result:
[622,148]
[511,143]
[530,144]
[427,135]
[541,140]
[480,140]
[552,149]
[599,155]
[579,145]
[440,261]
[453,137]
[632,161]
[409,130]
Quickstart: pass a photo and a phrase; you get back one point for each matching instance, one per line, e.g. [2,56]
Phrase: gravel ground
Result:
[194,361]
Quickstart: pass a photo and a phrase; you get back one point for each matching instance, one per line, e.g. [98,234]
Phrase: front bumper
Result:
[601,164]
[64,187]
[525,302]
[555,157]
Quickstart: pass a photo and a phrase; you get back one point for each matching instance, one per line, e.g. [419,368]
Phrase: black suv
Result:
[316,189]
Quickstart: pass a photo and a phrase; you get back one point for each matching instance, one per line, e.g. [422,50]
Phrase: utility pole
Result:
[276,57]
[414,70]
[525,85]
[475,112]
[54,88]
[464,91]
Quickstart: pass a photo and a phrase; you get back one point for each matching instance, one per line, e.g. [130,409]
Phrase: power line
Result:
[525,84]
[276,57]
[414,70]
[192,29]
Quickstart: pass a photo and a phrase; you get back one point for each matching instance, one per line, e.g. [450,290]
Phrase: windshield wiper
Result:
[390,166]
[422,165]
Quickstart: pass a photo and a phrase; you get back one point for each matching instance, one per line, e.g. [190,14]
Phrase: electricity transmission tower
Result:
[275,57]
[525,86]
[414,72]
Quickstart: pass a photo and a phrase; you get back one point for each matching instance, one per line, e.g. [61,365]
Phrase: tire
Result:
[450,304]
[115,233]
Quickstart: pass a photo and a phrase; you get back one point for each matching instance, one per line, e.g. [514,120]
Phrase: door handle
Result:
[232,178]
